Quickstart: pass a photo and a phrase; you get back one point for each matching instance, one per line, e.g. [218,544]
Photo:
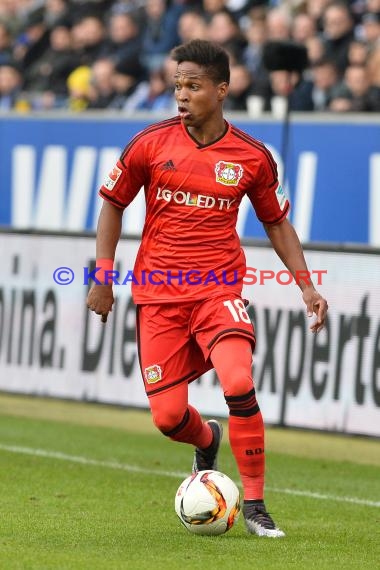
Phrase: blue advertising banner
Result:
[51,169]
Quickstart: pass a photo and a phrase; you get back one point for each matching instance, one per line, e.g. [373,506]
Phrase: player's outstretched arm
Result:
[100,297]
[286,244]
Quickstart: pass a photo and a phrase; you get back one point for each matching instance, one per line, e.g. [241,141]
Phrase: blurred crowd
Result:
[102,54]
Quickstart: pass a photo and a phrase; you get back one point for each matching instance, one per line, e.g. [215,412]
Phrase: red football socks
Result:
[176,419]
[247,444]
[232,358]
[192,430]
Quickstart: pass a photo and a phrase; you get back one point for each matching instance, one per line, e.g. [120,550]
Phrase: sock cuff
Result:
[243,406]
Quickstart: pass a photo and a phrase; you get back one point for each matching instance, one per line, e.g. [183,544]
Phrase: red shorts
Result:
[175,340]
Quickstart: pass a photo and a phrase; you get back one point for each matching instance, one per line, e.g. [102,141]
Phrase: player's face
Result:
[198,98]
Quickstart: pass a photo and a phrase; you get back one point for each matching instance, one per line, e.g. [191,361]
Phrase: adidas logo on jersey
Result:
[168,165]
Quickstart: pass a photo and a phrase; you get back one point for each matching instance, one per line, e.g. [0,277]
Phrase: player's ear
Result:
[222,91]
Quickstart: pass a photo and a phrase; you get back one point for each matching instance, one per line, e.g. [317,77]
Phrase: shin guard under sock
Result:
[246,432]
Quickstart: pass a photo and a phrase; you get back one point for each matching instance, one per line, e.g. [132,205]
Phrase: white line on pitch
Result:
[176,474]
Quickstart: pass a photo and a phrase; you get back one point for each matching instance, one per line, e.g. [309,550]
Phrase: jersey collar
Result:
[200,145]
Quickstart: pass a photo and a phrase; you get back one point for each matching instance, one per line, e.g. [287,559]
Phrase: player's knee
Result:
[166,420]
[243,405]
[238,382]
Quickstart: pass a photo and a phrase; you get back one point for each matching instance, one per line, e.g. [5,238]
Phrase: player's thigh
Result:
[225,334]
[168,355]
[232,359]
[219,317]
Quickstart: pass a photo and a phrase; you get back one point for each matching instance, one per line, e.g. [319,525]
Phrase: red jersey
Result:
[189,248]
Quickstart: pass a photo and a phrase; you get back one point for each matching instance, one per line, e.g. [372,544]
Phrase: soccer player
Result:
[195,169]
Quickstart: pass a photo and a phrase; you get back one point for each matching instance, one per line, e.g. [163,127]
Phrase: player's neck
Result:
[207,134]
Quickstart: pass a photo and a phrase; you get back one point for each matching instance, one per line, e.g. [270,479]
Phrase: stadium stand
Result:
[103,54]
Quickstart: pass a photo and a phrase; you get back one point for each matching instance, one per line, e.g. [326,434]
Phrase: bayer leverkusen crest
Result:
[153,374]
[228,173]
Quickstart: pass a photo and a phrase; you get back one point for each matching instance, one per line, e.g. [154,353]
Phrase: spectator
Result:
[11,97]
[240,88]
[371,28]
[111,85]
[211,7]
[12,16]
[278,24]
[160,34]
[224,29]
[191,26]
[357,7]
[50,39]
[315,49]
[292,86]
[353,93]
[338,33]
[102,85]
[326,78]
[51,70]
[126,79]
[252,53]
[89,39]
[341,100]
[32,42]
[170,68]
[252,57]
[56,11]
[357,53]
[155,92]
[356,80]
[256,10]
[124,38]
[316,9]
[79,88]
[153,95]
[303,28]
[373,6]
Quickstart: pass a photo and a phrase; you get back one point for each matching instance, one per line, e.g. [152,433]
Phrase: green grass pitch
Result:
[84,486]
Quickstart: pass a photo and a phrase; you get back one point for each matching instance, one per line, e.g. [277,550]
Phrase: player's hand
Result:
[315,304]
[100,300]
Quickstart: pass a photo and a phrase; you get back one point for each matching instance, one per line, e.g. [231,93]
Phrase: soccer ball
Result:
[208,503]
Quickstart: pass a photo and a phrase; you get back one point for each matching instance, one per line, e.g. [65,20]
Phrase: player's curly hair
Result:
[209,55]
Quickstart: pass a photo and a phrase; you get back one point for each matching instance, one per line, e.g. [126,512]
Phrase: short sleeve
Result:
[267,195]
[127,176]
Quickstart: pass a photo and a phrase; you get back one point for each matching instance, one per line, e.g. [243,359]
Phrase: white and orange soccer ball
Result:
[208,503]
